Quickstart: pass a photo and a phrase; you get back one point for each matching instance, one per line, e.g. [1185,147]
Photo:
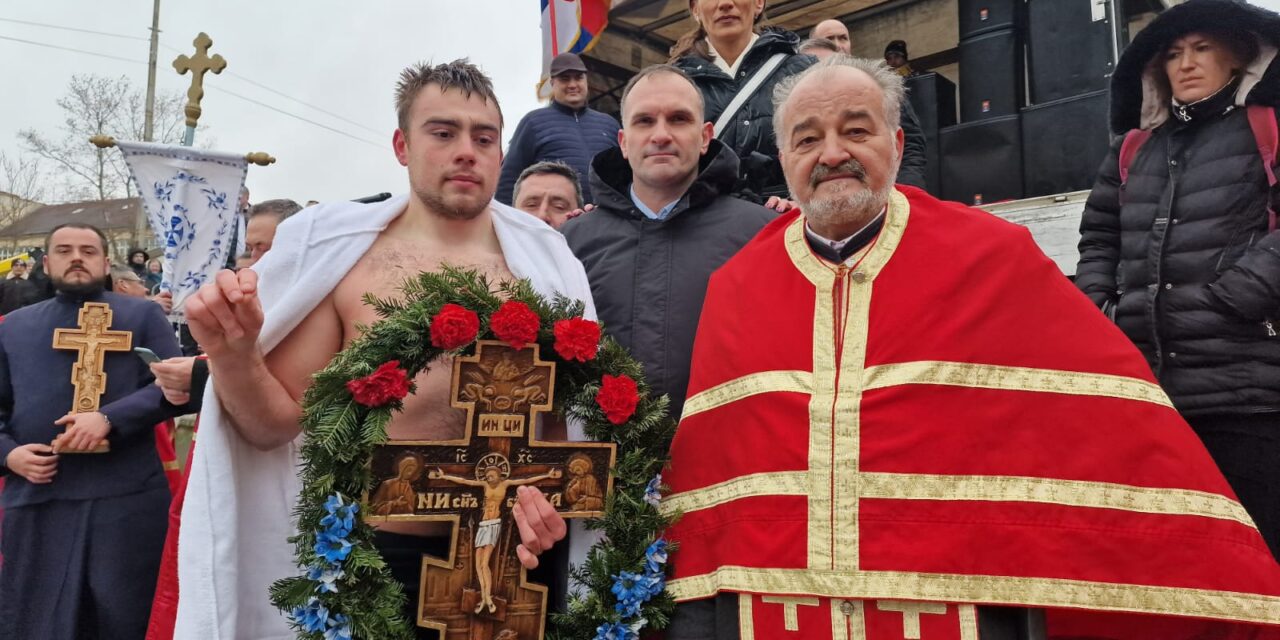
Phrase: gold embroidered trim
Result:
[985,376]
[171,465]
[848,620]
[746,617]
[968,622]
[790,615]
[911,612]
[820,535]
[1006,590]
[747,386]
[782,483]
[1072,493]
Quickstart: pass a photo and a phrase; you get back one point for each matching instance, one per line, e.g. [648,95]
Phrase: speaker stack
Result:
[1004,148]
[981,158]
[1071,47]
[934,99]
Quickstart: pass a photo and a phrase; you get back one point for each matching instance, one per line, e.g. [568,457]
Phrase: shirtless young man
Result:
[449,138]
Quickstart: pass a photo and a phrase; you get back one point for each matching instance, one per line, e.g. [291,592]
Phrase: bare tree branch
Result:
[23,186]
[96,105]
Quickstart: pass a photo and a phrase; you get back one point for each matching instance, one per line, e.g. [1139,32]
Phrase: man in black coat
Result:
[663,222]
[567,130]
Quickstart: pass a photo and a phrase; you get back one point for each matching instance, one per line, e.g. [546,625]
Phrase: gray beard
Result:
[861,206]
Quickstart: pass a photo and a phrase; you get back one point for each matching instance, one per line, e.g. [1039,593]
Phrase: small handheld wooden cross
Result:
[91,341]
[198,65]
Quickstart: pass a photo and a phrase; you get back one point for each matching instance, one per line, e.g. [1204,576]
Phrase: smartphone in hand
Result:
[148,356]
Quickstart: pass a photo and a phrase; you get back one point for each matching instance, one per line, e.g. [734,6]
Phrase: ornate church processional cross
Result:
[91,341]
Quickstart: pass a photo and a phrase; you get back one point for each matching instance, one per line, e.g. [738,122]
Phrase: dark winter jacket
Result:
[751,135]
[648,277]
[16,293]
[1182,251]
[557,132]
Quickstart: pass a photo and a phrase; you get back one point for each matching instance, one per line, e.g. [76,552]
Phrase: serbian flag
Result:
[571,26]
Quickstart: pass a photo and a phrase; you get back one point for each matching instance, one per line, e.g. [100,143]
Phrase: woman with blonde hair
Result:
[723,54]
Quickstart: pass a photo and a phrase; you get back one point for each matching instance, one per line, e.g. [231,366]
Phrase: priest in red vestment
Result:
[904,422]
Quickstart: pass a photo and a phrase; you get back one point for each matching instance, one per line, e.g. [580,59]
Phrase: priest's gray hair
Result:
[889,81]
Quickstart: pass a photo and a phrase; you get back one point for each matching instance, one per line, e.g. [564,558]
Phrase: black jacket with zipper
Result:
[649,277]
[1183,251]
[750,134]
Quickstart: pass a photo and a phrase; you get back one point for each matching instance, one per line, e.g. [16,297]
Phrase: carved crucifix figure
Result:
[480,591]
[491,476]
[91,341]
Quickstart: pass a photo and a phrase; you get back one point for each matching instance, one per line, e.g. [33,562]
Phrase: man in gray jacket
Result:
[664,220]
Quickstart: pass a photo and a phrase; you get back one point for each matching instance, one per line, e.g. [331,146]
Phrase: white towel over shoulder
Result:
[237,515]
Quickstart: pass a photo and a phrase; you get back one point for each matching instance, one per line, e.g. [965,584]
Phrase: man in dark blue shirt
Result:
[567,130]
[82,533]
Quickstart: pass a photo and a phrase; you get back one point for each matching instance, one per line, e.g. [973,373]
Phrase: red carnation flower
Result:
[618,397]
[388,383]
[454,327]
[515,324]
[577,339]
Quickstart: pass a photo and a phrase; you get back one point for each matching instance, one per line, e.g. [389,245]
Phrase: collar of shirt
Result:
[731,69]
[661,214]
[838,245]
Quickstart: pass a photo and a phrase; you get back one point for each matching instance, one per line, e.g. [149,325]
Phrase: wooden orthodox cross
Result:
[480,591]
[91,341]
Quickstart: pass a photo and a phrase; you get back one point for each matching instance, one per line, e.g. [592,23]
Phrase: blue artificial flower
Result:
[632,591]
[339,628]
[615,631]
[655,556]
[652,492]
[333,549]
[312,617]
[327,577]
[333,503]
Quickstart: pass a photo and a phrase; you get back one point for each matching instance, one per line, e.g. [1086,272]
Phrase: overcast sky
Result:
[341,56]
[338,55]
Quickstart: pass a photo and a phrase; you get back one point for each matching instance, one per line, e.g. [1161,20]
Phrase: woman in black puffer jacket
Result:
[727,35]
[1182,253]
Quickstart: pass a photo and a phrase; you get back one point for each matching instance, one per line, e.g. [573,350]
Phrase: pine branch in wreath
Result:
[347,590]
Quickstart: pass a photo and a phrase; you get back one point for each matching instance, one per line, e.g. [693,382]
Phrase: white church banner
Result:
[190,196]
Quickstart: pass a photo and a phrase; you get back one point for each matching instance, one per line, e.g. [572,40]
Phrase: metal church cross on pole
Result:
[197,65]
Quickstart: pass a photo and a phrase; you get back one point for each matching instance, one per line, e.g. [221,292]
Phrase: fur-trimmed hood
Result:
[1139,95]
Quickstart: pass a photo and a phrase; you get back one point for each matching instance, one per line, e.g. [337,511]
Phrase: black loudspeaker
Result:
[1063,143]
[991,75]
[934,99]
[981,16]
[1070,52]
[982,161]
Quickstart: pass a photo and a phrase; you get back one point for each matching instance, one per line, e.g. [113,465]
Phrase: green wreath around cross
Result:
[346,590]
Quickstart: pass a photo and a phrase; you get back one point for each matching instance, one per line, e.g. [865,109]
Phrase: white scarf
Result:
[237,514]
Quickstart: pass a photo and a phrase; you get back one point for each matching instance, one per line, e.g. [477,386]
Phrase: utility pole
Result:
[148,123]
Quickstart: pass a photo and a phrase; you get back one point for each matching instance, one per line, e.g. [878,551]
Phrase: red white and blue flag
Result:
[571,26]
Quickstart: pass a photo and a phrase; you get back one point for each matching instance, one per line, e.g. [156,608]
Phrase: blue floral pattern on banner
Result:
[190,199]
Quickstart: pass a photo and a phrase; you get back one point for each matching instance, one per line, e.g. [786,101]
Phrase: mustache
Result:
[850,167]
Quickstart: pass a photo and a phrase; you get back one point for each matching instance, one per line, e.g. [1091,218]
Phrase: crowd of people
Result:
[752,230]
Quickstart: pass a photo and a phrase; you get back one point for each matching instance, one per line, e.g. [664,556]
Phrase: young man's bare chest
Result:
[381,271]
